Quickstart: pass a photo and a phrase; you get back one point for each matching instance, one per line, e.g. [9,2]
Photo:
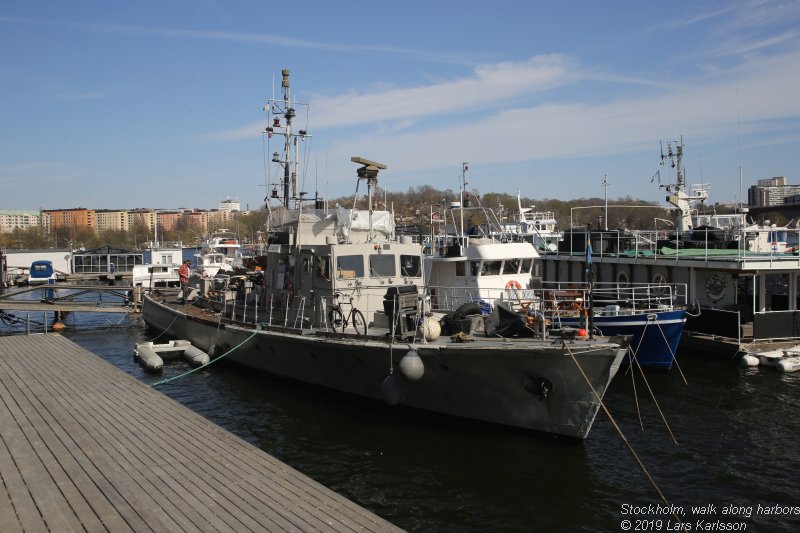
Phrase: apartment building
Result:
[770,192]
[107,219]
[77,217]
[11,219]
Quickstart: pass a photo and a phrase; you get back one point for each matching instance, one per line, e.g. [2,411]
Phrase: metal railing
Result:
[702,243]
[611,298]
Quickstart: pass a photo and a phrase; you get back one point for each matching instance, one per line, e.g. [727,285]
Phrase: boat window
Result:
[460,269]
[526,266]
[350,266]
[324,267]
[511,266]
[474,268]
[410,265]
[382,265]
[491,268]
[280,274]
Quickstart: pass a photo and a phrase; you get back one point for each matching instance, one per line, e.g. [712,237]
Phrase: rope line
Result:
[165,329]
[621,434]
[634,357]
[658,406]
[636,397]
[163,381]
[674,357]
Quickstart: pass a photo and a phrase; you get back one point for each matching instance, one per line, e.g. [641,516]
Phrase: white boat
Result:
[212,264]
[483,266]
[226,243]
[784,359]
[42,272]
[338,306]
[162,271]
[536,227]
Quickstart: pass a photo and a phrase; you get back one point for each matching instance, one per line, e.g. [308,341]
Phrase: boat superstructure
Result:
[225,242]
[42,272]
[536,227]
[162,270]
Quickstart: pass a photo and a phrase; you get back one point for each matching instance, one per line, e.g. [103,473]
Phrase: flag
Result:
[466,167]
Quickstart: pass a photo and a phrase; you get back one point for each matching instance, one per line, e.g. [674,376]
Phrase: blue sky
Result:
[159,104]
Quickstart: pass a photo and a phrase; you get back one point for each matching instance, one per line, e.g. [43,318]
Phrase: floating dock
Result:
[86,447]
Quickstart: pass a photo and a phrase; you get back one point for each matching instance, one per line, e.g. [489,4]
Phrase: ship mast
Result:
[679,197]
[281,114]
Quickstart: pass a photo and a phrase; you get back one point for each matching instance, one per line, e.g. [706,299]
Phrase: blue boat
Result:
[655,335]
[42,271]
[653,314]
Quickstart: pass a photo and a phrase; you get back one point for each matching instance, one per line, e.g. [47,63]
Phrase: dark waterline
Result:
[737,431]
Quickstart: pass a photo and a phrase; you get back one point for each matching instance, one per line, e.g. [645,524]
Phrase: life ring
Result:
[512,289]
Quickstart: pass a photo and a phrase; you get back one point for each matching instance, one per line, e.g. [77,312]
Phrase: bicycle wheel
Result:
[335,319]
[359,324]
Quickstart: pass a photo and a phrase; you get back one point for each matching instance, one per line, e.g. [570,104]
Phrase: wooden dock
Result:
[86,447]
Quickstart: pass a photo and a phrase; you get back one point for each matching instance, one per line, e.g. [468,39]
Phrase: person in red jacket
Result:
[183,274]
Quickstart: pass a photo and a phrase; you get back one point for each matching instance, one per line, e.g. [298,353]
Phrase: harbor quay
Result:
[87,447]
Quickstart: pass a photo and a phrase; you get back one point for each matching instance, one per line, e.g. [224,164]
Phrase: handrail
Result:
[611,297]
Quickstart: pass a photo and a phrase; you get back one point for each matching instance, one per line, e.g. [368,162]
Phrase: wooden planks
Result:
[84,446]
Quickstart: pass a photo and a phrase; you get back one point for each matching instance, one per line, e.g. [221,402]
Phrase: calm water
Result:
[737,431]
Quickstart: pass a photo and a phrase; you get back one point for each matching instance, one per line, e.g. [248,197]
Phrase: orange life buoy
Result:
[513,284]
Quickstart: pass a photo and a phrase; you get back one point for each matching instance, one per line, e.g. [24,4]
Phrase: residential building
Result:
[107,219]
[198,220]
[229,205]
[77,217]
[11,219]
[219,219]
[771,192]
[168,220]
[142,216]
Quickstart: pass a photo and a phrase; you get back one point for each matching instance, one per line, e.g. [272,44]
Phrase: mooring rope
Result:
[165,329]
[634,357]
[674,358]
[621,434]
[636,396]
[163,381]
[658,406]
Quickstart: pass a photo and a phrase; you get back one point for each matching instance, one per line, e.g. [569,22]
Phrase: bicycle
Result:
[339,322]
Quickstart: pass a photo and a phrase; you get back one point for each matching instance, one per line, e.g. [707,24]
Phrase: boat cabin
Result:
[317,259]
[42,271]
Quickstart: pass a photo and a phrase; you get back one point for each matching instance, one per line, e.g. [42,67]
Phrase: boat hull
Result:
[523,383]
[654,336]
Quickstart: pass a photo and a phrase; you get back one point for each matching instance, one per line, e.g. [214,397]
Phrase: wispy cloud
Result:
[738,46]
[552,130]
[698,17]
[481,92]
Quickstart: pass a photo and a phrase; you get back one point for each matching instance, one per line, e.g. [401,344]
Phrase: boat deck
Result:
[85,446]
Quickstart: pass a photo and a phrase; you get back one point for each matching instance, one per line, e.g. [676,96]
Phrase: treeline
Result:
[417,203]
